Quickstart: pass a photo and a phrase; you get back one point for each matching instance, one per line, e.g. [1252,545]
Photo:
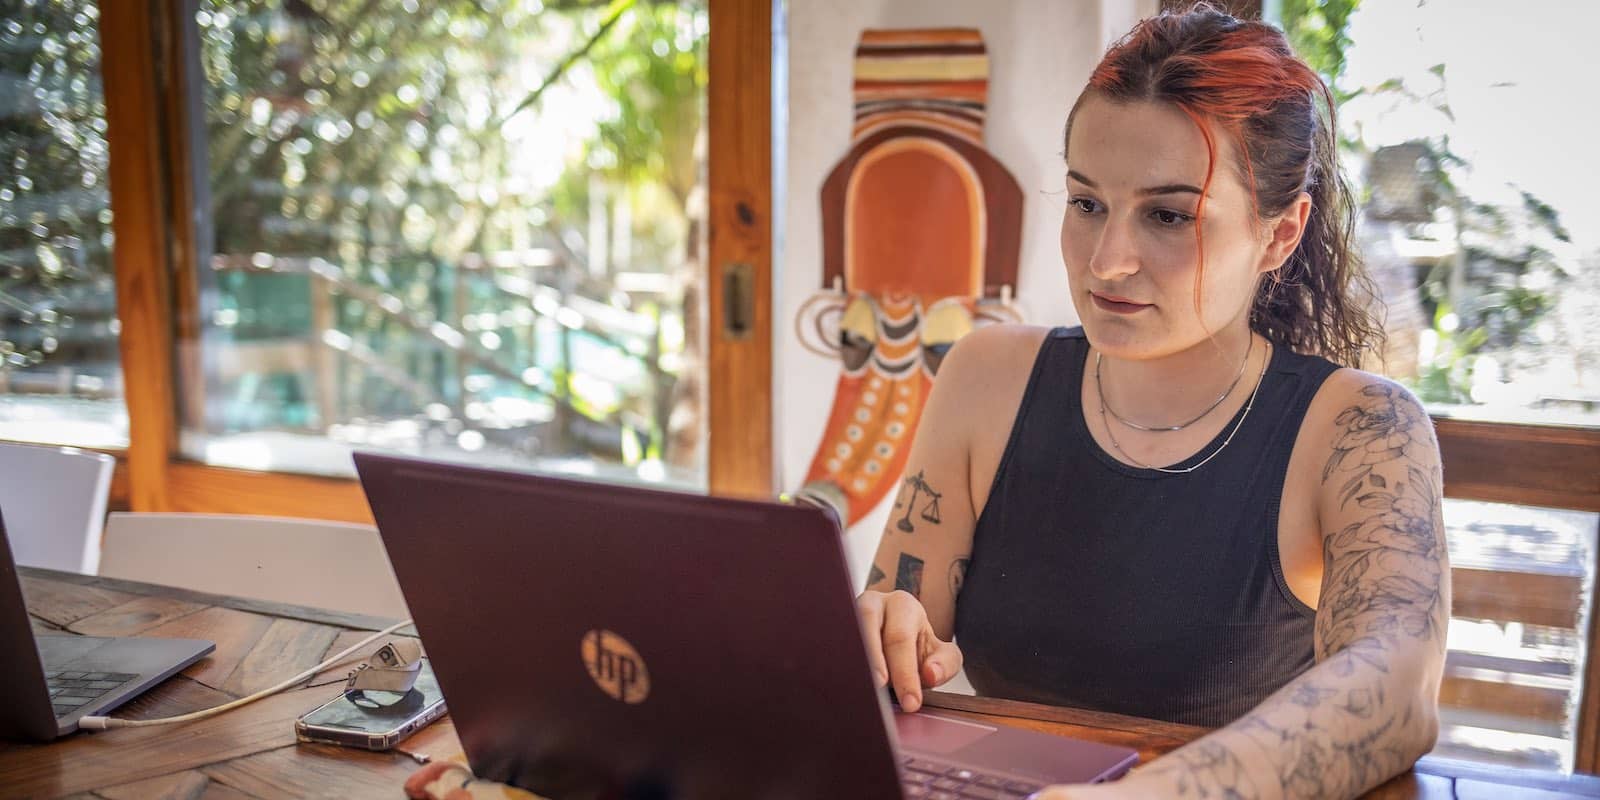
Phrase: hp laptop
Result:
[600,641]
[48,681]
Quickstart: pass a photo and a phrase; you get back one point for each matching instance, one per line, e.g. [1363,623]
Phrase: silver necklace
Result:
[1169,428]
[1266,359]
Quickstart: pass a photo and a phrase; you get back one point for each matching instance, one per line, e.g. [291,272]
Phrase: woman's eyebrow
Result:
[1166,188]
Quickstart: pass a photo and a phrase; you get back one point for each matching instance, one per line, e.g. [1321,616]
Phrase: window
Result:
[60,369]
[469,232]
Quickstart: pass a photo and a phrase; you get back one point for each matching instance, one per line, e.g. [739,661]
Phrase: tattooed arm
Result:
[909,607]
[1369,707]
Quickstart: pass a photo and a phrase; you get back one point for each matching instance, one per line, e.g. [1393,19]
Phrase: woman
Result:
[1187,509]
[1193,508]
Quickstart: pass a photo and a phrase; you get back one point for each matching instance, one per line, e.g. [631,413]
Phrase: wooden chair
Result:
[54,502]
[331,565]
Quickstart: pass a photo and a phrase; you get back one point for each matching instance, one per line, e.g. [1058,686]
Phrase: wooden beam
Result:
[178,48]
[217,490]
[739,280]
[140,256]
[1530,598]
[1535,465]
[1511,698]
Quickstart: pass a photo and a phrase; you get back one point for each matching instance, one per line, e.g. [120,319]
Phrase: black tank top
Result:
[1098,585]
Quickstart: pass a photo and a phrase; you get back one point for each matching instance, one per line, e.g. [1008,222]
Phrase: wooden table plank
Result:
[311,770]
[288,648]
[172,697]
[61,582]
[64,603]
[134,617]
[188,785]
[89,761]
[236,634]
[435,742]
[1412,786]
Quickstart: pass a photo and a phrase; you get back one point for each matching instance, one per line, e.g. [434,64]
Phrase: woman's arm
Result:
[1369,708]
[909,607]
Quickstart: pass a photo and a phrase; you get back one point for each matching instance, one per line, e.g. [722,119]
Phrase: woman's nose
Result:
[1115,255]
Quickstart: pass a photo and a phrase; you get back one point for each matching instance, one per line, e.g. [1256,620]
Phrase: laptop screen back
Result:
[593,638]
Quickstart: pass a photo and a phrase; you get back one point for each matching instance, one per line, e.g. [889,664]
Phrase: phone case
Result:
[365,739]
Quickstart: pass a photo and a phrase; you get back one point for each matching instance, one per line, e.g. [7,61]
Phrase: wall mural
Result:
[920,234]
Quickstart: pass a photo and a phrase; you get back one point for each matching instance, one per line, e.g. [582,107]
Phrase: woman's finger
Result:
[942,664]
[903,623]
[870,608]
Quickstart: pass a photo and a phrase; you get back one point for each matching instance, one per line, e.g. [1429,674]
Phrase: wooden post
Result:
[739,411]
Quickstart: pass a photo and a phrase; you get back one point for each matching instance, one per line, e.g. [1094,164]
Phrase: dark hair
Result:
[1242,77]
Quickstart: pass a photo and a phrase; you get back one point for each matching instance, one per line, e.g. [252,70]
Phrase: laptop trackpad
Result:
[937,735]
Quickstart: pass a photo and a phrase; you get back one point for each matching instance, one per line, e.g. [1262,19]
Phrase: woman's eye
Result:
[1083,204]
[1171,218]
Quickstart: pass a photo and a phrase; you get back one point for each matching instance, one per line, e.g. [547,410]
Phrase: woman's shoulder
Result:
[1360,404]
[993,351]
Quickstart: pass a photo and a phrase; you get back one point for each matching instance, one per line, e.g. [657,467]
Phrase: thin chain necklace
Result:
[1170,428]
[1266,359]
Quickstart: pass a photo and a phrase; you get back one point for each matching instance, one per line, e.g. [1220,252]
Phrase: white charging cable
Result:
[95,723]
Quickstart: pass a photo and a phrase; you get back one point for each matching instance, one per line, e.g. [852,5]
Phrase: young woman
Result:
[1194,507]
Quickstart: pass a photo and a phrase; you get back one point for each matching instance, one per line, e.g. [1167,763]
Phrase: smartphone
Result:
[374,720]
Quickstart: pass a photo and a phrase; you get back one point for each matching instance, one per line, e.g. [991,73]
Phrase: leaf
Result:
[1349,495]
[1352,485]
[1378,481]
[1419,480]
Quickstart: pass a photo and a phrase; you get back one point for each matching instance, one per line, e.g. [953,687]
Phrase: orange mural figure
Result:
[920,233]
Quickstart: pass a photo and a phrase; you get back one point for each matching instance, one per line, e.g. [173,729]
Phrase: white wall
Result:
[1040,55]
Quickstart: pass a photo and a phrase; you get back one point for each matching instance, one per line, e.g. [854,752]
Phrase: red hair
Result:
[1242,77]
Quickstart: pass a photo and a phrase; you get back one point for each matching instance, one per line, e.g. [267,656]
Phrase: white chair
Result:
[53,500]
[331,565]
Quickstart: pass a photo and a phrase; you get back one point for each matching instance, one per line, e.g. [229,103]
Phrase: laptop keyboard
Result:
[70,691]
[922,777]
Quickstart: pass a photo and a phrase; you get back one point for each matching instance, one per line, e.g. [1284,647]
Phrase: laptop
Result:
[603,641]
[48,681]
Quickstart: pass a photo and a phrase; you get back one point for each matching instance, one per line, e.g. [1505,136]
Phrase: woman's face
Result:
[1128,237]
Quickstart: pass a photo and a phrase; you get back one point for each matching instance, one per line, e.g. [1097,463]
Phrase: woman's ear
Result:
[1284,234]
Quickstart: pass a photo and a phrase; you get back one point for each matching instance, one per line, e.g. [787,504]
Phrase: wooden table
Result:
[251,752]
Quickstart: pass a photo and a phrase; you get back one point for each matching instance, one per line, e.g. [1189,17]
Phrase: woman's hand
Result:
[902,647]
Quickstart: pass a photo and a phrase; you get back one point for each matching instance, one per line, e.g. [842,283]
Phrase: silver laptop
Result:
[615,642]
[48,681]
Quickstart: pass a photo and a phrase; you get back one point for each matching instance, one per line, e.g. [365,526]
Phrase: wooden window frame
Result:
[146,67]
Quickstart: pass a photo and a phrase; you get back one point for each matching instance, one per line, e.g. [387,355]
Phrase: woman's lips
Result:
[1117,305]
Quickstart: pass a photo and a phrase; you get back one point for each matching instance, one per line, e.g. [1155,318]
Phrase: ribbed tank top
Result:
[1098,585]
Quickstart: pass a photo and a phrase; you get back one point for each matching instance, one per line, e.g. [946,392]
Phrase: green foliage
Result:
[1318,32]
[1447,377]
[1490,296]
[56,293]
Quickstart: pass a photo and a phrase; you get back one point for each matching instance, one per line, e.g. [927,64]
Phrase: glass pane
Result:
[1523,580]
[60,370]
[1485,246]
[467,231]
